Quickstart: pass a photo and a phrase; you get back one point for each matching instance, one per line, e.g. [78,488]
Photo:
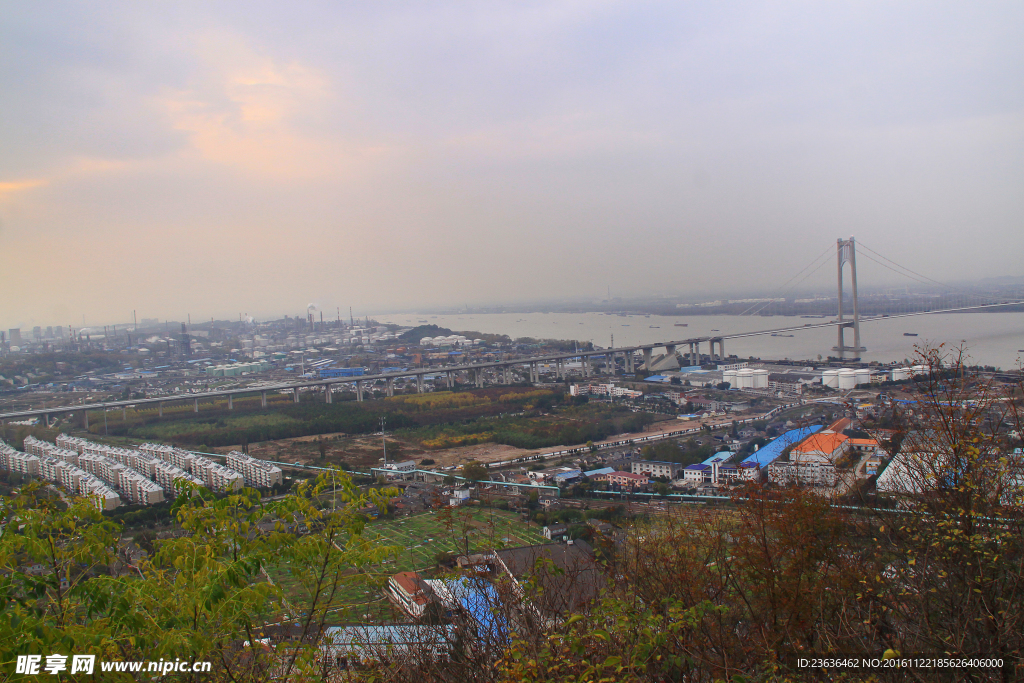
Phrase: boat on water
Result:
[715,330]
[655,327]
[776,334]
[910,334]
[682,324]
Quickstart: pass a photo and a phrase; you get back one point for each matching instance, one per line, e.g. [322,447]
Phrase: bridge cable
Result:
[782,287]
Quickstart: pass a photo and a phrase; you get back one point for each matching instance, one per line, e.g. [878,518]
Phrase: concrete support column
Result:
[478,377]
[359,390]
[647,360]
[391,386]
[124,416]
[160,408]
[196,406]
[558,368]
[506,375]
[295,394]
[721,349]
[327,393]
[449,379]
[419,383]
[263,399]
[696,352]
[231,404]
[585,361]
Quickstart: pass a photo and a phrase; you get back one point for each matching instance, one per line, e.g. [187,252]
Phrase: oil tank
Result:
[730,377]
[863,376]
[847,379]
[745,378]
[760,379]
[830,378]
[900,374]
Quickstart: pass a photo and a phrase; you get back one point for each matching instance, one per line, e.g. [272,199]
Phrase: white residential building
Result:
[255,471]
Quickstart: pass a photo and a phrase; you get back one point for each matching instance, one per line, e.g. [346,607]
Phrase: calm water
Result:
[990,338]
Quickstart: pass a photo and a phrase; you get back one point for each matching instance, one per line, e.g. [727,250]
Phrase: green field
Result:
[421,539]
[424,536]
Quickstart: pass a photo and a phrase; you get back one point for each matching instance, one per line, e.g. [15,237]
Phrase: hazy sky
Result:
[251,157]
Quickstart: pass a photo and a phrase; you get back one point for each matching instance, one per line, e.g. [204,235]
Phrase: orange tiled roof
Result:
[863,442]
[824,442]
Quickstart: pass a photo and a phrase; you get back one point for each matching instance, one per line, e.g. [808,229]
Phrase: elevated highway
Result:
[500,369]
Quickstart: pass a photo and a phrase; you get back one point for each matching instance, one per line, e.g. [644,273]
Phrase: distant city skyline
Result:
[248,158]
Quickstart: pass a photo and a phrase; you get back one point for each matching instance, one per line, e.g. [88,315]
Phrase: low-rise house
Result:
[409,593]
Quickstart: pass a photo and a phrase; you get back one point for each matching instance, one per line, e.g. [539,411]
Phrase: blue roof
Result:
[479,598]
[768,453]
[603,470]
[719,457]
[698,466]
[657,378]
[568,475]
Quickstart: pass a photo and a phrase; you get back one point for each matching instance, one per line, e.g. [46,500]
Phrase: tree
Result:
[474,471]
[199,595]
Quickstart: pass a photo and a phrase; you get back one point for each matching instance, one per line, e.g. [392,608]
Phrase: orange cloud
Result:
[10,187]
[241,112]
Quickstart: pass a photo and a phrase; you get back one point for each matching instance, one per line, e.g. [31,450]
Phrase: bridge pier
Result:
[478,378]
[558,368]
[160,409]
[196,406]
[231,404]
[124,416]
[359,391]
[295,394]
[696,353]
[506,374]
[391,386]
[327,393]
[263,399]
[419,383]
[647,359]
[585,365]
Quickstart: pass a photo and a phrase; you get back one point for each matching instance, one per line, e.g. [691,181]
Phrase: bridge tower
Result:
[846,252]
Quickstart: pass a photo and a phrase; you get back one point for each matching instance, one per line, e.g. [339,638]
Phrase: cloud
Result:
[245,110]
[10,187]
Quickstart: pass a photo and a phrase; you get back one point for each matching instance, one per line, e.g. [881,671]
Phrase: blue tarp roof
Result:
[603,470]
[657,378]
[767,454]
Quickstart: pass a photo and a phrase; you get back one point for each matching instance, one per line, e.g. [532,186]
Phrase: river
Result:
[990,338]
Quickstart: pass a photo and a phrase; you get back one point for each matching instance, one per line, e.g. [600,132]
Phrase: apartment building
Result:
[656,468]
[256,472]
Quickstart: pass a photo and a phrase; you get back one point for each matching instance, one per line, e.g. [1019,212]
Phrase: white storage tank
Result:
[919,370]
[730,377]
[745,378]
[760,379]
[900,374]
[830,378]
[847,379]
[426,341]
[863,376]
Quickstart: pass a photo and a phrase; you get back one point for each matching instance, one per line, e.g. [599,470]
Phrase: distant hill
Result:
[415,334]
